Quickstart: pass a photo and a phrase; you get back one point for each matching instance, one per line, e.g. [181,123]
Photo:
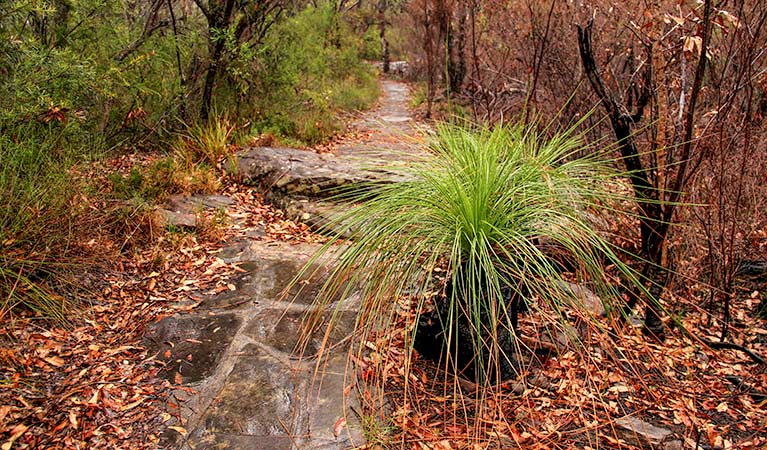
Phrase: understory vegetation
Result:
[681,92]
[503,211]
[84,81]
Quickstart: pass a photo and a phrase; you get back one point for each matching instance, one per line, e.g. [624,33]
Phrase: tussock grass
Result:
[36,194]
[205,143]
[482,206]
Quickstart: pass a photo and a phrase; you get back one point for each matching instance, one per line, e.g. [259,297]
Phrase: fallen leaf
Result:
[179,430]
[73,419]
[16,433]
[121,349]
[54,361]
[132,405]
[339,426]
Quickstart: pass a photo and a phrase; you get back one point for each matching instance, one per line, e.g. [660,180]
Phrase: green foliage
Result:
[80,77]
[371,45]
[206,143]
[308,68]
[483,202]
[419,95]
[35,190]
[165,177]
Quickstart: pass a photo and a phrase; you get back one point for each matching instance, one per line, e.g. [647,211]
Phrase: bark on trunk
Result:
[382,6]
[652,230]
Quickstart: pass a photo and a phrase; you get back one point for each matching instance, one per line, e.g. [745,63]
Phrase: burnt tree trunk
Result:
[477,344]
[456,63]
[652,230]
[657,203]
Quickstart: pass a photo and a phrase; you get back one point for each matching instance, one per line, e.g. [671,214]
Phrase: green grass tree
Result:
[487,203]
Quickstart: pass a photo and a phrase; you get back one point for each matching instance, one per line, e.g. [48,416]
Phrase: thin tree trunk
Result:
[219,17]
[428,45]
[382,6]
[457,70]
[652,231]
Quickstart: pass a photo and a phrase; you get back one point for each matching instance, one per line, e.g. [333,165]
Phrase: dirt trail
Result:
[389,128]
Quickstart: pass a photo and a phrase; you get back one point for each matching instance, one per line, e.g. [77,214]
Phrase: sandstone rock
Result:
[258,397]
[318,214]
[302,172]
[645,435]
[178,219]
[181,210]
[191,204]
[588,299]
[236,350]
[191,345]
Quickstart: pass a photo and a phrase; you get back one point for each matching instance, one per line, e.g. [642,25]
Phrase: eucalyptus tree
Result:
[232,24]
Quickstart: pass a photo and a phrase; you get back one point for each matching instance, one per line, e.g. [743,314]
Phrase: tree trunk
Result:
[652,229]
[428,47]
[219,17]
[382,6]
[457,55]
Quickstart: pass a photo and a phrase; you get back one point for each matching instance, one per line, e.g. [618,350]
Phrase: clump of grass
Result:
[483,203]
[22,286]
[35,191]
[163,178]
[356,92]
[205,143]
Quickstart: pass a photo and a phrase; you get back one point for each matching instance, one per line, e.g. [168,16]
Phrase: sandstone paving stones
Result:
[181,211]
[304,184]
[194,343]
[642,434]
[246,388]
[249,389]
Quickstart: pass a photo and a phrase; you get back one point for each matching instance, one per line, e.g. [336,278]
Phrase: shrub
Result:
[161,179]
[484,202]
[308,69]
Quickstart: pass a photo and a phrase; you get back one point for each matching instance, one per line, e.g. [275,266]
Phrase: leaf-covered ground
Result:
[89,383]
[574,397]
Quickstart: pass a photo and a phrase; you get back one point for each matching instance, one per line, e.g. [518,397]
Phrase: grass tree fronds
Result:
[483,205]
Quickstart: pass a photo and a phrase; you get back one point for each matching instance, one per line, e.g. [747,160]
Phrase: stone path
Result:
[300,182]
[235,352]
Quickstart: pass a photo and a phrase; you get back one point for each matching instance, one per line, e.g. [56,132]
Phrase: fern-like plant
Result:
[487,203]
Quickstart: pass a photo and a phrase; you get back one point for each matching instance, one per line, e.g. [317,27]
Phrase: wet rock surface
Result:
[238,354]
[303,183]
[191,346]
[249,380]
[642,434]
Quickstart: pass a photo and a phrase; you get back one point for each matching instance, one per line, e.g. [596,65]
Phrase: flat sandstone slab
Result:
[303,172]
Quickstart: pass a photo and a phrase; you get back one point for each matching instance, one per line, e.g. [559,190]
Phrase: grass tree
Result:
[487,205]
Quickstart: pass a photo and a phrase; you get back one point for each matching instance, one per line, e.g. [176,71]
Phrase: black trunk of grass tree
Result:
[463,347]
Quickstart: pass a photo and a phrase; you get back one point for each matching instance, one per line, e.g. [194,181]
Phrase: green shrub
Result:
[483,202]
[164,177]
[371,45]
[309,68]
